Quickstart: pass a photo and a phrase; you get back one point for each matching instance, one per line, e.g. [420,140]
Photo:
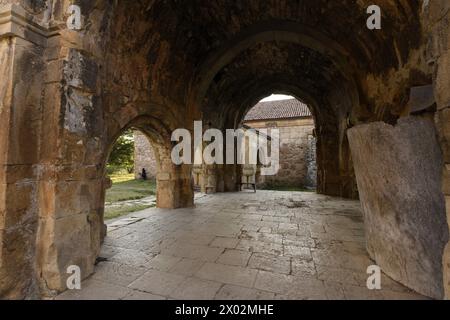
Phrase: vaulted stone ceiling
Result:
[188,44]
[159,65]
[275,66]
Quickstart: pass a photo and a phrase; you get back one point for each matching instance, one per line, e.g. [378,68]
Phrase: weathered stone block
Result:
[55,71]
[437,9]
[47,198]
[399,172]
[443,117]
[446,181]
[18,199]
[2,206]
[446,264]
[447,204]
[76,197]
[73,247]
[16,273]
[77,108]
[163,176]
[16,173]
[81,71]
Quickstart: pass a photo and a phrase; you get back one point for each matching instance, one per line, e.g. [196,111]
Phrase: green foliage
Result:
[122,154]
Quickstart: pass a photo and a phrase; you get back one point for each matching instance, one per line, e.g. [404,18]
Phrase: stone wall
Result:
[66,95]
[144,156]
[297,153]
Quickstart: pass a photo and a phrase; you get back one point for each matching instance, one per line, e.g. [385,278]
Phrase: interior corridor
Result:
[268,245]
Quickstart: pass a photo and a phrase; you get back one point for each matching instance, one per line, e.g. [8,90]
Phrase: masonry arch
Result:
[173,182]
[280,31]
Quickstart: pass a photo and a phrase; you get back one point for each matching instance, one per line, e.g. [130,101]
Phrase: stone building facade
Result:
[144,156]
[297,145]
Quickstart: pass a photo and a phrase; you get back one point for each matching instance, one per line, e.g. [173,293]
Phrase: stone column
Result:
[174,183]
[443,119]
[328,175]
[231,177]
[174,189]
[443,123]
[210,176]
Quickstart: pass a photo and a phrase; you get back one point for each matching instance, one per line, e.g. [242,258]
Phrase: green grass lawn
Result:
[126,188]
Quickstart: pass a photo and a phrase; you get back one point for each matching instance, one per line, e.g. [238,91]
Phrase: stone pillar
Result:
[49,204]
[328,175]
[210,179]
[438,15]
[197,173]
[399,172]
[349,188]
[174,189]
[231,176]
[443,123]
[22,70]
[311,162]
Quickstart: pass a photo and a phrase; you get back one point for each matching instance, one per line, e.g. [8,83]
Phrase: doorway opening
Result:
[297,150]
[131,176]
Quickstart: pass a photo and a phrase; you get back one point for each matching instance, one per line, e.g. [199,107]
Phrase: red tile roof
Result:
[283,109]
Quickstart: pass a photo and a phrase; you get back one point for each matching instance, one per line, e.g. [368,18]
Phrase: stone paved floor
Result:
[268,245]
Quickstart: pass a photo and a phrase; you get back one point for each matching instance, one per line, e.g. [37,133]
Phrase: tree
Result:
[122,154]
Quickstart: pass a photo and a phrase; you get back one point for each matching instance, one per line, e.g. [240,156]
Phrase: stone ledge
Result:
[16,22]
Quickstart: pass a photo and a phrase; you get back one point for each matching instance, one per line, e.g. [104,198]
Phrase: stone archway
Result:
[83,197]
[162,59]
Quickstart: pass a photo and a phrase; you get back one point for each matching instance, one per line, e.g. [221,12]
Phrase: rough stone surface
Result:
[144,157]
[297,153]
[399,170]
[297,157]
[153,65]
[438,14]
